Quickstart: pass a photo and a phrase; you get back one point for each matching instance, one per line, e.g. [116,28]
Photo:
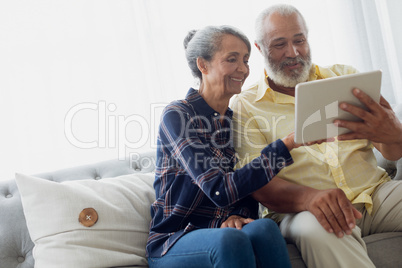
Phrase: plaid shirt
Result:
[195,182]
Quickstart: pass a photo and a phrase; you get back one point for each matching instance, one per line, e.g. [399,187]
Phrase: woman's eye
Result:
[232,60]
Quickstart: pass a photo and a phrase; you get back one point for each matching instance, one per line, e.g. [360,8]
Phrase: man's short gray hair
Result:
[282,9]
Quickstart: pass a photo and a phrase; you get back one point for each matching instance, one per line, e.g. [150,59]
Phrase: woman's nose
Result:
[243,67]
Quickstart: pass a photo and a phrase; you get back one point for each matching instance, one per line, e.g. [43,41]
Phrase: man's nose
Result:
[292,51]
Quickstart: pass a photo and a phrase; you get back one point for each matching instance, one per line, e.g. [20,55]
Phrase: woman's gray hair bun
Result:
[189,36]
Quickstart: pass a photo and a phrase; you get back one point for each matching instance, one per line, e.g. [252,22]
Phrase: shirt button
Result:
[216,114]
[341,184]
[217,193]
[88,217]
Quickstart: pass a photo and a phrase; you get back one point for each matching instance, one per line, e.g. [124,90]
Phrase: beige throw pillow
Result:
[88,223]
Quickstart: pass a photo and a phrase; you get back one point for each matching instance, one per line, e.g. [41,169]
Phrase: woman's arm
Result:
[180,138]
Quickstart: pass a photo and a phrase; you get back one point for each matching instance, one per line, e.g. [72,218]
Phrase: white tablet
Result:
[317,104]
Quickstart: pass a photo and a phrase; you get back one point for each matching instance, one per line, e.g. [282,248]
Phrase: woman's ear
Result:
[202,66]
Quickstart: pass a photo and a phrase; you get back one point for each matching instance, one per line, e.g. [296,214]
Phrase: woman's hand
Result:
[289,141]
[236,221]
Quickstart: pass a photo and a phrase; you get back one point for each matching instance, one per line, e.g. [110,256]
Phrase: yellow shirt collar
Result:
[276,97]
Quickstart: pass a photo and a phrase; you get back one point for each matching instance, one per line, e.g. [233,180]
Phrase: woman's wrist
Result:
[289,142]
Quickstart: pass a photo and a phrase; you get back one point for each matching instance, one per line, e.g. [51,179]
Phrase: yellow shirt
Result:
[262,116]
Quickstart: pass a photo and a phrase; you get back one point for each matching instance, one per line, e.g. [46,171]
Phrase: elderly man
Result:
[265,112]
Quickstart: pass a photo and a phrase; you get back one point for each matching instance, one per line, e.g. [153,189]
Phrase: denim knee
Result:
[263,229]
[268,243]
[233,249]
[230,237]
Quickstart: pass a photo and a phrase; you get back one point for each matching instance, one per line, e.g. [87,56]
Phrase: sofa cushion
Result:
[116,238]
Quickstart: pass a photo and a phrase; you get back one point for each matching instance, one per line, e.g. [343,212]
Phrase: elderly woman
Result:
[204,215]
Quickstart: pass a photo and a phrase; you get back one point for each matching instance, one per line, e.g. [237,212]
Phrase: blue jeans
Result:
[258,244]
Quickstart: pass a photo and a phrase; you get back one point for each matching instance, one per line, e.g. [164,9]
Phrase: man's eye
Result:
[280,45]
[300,41]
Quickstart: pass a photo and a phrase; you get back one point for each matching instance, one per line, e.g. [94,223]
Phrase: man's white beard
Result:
[275,71]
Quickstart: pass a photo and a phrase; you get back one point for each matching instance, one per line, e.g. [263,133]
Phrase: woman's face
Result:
[229,68]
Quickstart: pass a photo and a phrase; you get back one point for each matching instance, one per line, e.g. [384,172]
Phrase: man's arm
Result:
[380,125]
[283,196]
[331,207]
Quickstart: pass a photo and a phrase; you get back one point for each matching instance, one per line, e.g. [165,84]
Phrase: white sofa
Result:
[50,202]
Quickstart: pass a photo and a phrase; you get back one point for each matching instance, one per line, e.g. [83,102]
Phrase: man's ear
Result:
[258,47]
[202,66]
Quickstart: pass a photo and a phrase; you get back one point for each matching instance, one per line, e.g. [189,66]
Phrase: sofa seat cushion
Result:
[88,223]
[382,247]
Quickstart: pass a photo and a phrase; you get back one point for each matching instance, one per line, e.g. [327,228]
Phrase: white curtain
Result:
[86,80]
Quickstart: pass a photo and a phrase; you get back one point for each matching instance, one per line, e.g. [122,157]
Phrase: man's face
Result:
[286,50]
